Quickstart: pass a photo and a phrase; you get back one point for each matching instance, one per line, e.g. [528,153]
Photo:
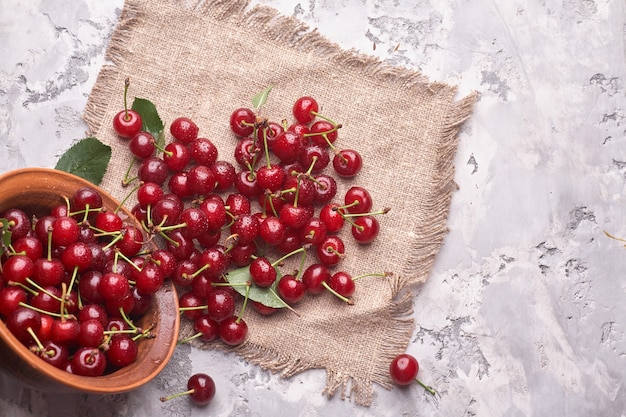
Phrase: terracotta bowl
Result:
[36,191]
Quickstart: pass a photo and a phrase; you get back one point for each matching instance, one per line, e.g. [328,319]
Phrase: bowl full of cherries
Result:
[76,316]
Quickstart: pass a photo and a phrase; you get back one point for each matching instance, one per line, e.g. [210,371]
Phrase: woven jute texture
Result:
[203,60]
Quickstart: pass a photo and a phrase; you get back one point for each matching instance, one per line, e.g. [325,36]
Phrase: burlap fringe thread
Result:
[298,35]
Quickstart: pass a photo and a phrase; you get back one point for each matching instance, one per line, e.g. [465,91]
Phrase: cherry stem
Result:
[36,339]
[172,227]
[63,297]
[180,394]
[384,274]
[267,150]
[73,280]
[295,199]
[371,213]
[23,304]
[25,287]
[194,308]
[127,320]
[118,235]
[126,85]
[346,300]
[287,306]
[126,180]
[245,303]
[294,252]
[426,387]
[119,206]
[130,261]
[189,339]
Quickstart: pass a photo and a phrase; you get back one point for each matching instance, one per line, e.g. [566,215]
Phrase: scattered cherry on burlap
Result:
[204,61]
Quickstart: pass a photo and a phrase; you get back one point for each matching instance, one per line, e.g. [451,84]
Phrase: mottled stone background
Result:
[523,314]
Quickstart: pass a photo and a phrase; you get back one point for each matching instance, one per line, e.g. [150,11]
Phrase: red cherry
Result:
[200,389]
[304,109]
[207,327]
[224,173]
[88,361]
[262,309]
[331,250]
[313,277]
[242,122]
[270,177]
[176,156]
[365,229]
[358,200]
[342,283]
[288,146]
[272,230]
[293,216]
[142,145]
[17,268]
[122,351]
[233,331]
[127,123]
[291,289]
[347,163]
[332,216]
[323,133]
[220,305]
[262,272]
[403,369]
[184,130]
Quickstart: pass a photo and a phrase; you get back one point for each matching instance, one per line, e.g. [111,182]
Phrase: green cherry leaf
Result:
[152,122]
[5,236]
[87,159]
[261,98]
[238,278]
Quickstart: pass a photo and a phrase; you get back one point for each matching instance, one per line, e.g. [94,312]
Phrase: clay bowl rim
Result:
[121,380]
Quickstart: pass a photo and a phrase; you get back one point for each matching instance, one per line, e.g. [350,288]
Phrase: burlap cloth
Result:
[203,61]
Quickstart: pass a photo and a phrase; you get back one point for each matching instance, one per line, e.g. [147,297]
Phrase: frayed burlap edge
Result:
[290,31]
[398,317]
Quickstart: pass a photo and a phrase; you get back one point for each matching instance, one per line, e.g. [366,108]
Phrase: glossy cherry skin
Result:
[332,216]
[224,173]
[304,109]
[323,133]
[242,121]
[184,130]
[220,305]
[142,145]
[365,229]
[20,320]
[358,200]
[88,362]
[127,123]
[291,289]
[202,388]
[331,250]
[270,177]
[288,146]
[342,283]
[347,163]
[403,369]
[272,230]
[325,188]
[313,277]
[233,331]
[122,351]
[19,223]
[203,151]
[262,272]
